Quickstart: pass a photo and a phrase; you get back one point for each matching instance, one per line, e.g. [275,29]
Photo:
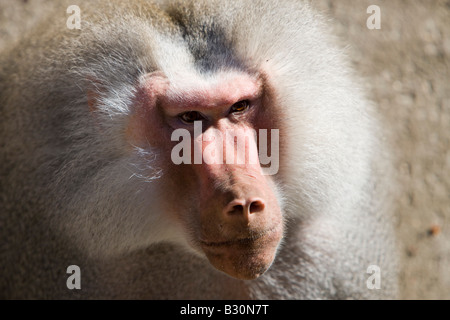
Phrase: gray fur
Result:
[73,192]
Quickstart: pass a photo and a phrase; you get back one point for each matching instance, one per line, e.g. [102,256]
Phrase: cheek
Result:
[182,196]
[145,127]
[147,130]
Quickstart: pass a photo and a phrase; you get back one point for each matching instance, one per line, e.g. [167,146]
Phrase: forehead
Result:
[193,76]
[222,88]
[186,90]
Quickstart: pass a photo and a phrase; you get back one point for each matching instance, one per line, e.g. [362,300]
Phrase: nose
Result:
[243,208]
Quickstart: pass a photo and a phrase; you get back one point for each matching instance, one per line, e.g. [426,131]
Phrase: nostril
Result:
[256,206]
[244,208]
[237,209]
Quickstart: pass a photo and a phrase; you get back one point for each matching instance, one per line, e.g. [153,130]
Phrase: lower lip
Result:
[245,259]
[264,238]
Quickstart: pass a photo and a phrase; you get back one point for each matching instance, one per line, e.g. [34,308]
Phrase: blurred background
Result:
[406,66]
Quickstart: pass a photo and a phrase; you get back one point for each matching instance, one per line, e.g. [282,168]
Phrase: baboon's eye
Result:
[240,106]
[191,116]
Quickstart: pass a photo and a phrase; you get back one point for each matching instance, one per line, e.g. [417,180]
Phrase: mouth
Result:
[241,241]
[244,258]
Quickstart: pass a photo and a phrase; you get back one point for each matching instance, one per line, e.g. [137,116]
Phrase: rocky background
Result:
[406,66]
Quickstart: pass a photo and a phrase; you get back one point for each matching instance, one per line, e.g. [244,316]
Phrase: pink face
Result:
[227,206]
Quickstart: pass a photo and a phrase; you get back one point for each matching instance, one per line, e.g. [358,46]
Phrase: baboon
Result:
[88,120]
